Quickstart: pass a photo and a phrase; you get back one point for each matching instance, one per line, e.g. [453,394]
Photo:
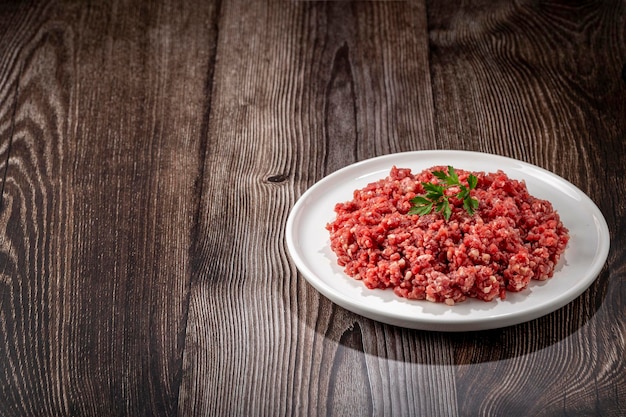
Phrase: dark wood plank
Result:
[302,89]
[152,152]
[541,82]
[103,106]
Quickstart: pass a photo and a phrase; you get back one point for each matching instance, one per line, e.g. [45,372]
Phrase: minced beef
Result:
[512,238]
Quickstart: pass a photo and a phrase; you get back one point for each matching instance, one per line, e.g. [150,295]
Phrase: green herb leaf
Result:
[421,210]
[472,181]
[470,205]
[436,198]
[443,207]
[440,174]
[429,186]
[420,201]
[452,179]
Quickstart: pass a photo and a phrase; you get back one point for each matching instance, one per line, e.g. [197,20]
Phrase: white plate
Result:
[308,243]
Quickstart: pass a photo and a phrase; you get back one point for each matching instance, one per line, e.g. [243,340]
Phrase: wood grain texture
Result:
[300,90]
[98,204]
[541,83]
[150,153]
[311,95]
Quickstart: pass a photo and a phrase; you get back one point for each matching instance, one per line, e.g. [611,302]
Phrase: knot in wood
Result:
[277,178]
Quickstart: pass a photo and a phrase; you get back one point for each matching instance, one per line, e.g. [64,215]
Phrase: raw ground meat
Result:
[512,238]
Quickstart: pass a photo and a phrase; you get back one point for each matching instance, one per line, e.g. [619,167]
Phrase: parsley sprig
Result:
[436,198]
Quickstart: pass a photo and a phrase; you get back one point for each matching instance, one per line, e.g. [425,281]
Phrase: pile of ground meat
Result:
[512,238]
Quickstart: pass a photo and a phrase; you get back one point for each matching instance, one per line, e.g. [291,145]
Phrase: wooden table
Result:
[150,154]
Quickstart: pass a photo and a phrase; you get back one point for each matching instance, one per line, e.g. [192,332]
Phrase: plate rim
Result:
[448,324]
